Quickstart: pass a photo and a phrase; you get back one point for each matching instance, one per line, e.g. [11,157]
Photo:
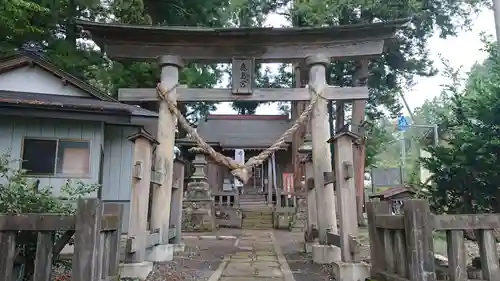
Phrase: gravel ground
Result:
[300,263]
[197,263]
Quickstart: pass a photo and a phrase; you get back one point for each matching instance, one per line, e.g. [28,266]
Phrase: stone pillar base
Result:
[159,253]
[308,246]
[178,248]
[135,271]
[325,254]
[343,271]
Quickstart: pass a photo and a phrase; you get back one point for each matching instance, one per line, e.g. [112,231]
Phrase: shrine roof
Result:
[243,131]
[118,29]
[118,39]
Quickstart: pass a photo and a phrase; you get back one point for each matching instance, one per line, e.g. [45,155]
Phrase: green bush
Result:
[19,194]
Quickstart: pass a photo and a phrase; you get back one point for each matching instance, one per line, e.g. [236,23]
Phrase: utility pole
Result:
[496,13]
[403,157]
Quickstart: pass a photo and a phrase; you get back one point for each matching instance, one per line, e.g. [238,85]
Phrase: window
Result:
[52,157]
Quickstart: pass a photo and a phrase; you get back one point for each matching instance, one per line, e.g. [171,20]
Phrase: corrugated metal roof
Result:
[71,103]
[241,132]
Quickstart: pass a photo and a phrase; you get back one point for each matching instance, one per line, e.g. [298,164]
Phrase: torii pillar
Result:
[167,121]
[321,153]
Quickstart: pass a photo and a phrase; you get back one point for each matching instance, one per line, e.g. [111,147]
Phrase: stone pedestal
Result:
[308,246]
[160,253]
[325,254]
[358,271]
[198,206]
[136,271]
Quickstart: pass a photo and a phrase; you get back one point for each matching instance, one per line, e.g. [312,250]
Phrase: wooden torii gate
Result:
[243,47]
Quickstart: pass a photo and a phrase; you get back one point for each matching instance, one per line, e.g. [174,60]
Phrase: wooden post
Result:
[269,182]
[312,211]
[297,107]
[275,181]
[262,177]
[420,248]
[321,152]
[488,254]
[160,217]
[112,242]
[87,232]
[358,115]
[139,200]
[178,202]
[457,258]
[376,235]
[339,115]
[8,248]
[346,193]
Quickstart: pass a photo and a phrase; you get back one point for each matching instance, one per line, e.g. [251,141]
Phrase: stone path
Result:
[259,258]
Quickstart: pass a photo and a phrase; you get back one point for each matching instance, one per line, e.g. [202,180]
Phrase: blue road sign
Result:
[402,123]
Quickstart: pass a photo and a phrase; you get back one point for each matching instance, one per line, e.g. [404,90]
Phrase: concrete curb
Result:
[287,273]
[218,273]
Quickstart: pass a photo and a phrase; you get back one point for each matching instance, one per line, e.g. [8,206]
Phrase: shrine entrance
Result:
[311,49]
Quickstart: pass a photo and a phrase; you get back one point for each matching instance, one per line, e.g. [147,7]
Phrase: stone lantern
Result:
[198,206]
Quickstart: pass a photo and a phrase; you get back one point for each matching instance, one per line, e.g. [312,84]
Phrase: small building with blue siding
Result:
[63,128]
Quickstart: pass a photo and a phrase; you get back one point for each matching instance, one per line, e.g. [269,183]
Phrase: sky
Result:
[462,51]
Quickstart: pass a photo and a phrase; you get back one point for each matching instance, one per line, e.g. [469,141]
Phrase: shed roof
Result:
[27,58]
[244,131]
[97,101]
[391,192]
[22,99]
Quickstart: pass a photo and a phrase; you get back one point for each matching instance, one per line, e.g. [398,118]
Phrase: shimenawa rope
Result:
[238,170]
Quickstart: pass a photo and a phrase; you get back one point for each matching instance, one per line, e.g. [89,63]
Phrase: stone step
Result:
[249,209]
[258,218]
[257,214]
[256,208]
[252,196]
[260,223]
[269,223]
[253,202]
[265,211]
[258,227]
[262,198]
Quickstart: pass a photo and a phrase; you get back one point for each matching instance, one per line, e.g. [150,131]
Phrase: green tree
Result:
[381,145]
[465,171]
[18,25]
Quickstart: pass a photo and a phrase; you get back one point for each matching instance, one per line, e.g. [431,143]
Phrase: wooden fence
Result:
[402,247]
[96,228]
